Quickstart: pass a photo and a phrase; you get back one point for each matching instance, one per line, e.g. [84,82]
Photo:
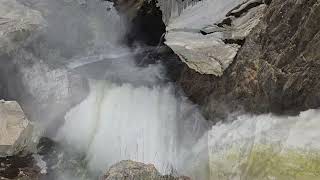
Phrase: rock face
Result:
[29,71]
[16,132]
[277,68]
[266,147]
[207,35]
[130,170]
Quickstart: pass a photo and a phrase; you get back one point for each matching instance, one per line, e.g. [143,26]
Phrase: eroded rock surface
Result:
[16,132]
[277,68]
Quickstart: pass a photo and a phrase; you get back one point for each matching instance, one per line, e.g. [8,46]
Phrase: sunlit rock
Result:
[266,147]
[207,35]
[16,132]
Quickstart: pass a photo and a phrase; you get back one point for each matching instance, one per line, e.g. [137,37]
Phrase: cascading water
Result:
[132,113]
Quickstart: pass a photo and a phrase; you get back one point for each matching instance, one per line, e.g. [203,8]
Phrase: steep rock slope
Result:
[276,70]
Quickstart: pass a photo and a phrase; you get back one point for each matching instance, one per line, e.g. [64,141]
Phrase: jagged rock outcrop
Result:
[16,132]
[207,35]
[130,170]
[277,68]
[29,73]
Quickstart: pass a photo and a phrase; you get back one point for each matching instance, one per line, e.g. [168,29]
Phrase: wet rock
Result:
[16,132]
[130,170]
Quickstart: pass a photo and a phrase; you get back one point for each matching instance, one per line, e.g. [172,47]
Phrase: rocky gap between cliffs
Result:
[258,83]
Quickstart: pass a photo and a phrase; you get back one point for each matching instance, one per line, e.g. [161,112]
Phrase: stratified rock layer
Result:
[277,68]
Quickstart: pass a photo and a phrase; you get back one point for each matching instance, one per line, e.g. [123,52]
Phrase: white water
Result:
[119,122]
[130,113]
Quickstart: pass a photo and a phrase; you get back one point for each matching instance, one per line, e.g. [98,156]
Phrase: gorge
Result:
[206,90]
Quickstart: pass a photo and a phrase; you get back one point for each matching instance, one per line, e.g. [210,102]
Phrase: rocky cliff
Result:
[277,68]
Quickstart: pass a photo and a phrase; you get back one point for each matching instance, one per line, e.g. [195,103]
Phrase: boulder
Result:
[131,170]
[16,132]
[207,35]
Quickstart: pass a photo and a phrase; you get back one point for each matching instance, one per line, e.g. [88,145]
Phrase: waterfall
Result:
[132,114]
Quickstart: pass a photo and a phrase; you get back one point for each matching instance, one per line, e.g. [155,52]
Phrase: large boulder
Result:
[16,132]
[131,170]
[207,35]
[277,68]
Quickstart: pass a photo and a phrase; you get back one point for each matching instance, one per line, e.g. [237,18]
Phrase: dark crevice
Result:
[147,27]
[244,10]
[226,22]
[234,41]
[267,2]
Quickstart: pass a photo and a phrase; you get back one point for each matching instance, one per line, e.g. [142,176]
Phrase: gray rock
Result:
[130,170]
[16,132]
[218,30]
